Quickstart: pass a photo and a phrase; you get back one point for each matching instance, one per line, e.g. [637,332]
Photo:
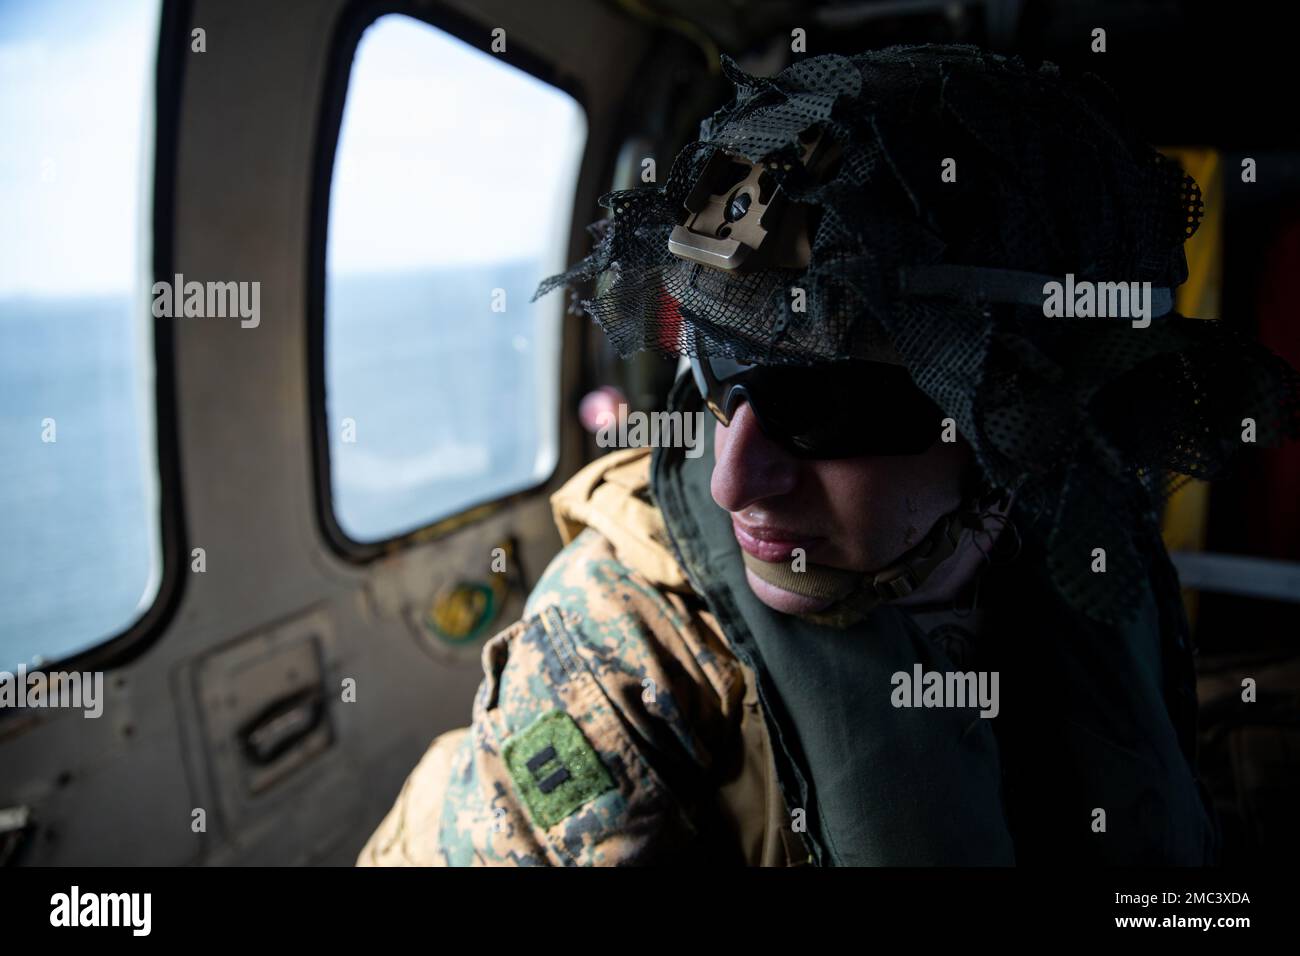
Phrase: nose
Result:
[749,465]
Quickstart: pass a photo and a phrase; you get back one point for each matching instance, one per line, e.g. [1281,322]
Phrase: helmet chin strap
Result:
[853,595]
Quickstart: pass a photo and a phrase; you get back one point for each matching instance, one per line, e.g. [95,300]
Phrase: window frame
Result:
[354,20]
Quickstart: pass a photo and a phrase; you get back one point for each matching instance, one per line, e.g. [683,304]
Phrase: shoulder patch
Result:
[554,768]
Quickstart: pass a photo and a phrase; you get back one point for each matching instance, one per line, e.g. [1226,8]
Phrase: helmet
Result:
[923,205]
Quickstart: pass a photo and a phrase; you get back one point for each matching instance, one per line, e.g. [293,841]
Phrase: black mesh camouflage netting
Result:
[1092,422]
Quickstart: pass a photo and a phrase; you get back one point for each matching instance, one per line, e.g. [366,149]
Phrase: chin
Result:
[779,599]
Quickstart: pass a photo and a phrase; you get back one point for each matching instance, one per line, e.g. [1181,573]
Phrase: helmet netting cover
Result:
[1092,422]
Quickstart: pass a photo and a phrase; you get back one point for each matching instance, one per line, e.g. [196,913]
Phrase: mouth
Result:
[768,542]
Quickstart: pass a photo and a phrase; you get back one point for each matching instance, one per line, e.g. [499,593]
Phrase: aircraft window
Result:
[452,196]
[79,499]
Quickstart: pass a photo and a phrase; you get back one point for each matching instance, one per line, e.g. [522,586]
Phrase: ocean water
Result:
[452,404]
[75,514]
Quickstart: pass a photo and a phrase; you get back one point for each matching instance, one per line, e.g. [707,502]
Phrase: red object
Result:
[1274,513]
[669,330]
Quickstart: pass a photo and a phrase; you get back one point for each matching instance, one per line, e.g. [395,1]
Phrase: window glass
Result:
[79,515]
[452,194]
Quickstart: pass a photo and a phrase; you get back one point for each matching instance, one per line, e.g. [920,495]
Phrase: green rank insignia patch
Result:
[554,767]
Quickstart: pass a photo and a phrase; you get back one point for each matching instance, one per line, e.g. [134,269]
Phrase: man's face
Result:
[858,514]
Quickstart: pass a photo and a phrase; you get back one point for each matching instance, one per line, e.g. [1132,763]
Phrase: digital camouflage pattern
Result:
[613,638]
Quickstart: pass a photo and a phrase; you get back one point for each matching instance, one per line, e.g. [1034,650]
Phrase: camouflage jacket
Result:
[613,726]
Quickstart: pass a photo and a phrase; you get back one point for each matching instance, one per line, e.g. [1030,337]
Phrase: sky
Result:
[73,111]
[446,155]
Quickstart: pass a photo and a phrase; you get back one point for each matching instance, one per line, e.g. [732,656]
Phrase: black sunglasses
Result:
[834,410]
